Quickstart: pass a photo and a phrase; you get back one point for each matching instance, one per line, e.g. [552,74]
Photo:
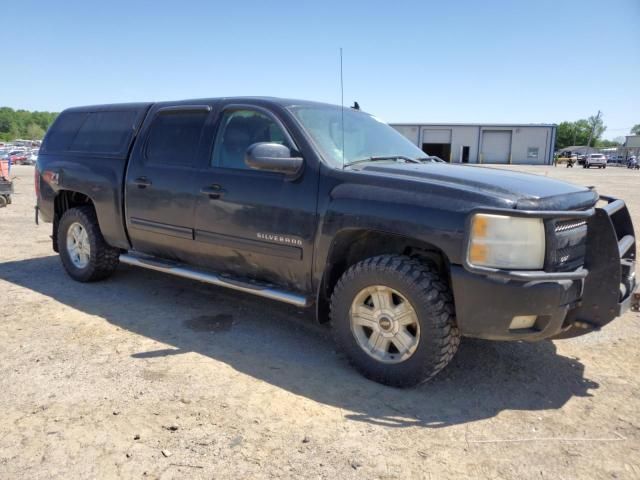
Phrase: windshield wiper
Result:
[382,158]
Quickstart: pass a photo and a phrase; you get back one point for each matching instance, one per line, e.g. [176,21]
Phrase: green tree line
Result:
[24,124]
[577,133]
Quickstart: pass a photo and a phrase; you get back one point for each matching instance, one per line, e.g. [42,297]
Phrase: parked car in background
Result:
[595,160]
[33,158]
[18,158]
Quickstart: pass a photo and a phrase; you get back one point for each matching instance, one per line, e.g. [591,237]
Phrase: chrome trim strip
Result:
[161,228]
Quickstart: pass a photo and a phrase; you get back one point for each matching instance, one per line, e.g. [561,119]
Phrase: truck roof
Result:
[285,102]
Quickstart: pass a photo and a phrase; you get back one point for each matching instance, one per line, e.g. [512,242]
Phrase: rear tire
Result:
[84,253]
[413,290]
[3,201]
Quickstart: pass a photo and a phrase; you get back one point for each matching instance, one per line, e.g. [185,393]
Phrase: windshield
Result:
[364,135]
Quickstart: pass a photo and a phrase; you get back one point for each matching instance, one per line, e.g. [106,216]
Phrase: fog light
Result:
[523,321]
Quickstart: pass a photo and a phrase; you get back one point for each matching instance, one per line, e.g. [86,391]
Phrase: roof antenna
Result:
[356,106]
[342,106]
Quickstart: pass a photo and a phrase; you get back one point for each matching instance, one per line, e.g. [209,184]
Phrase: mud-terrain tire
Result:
[391,281]
[96,262]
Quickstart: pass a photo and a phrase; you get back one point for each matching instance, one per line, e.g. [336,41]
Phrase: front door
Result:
[252,223]
[159,193]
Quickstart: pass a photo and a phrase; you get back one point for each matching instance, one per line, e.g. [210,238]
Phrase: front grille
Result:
[563,226]
[566,244]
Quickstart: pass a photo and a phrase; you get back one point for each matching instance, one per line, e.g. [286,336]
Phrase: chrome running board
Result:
[181,270]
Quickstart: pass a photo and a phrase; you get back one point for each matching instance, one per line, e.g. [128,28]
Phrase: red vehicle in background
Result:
[19,158]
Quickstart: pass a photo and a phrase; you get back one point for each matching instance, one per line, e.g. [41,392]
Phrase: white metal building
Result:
[483,143]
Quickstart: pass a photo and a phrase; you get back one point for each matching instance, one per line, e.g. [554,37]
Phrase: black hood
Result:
[522,190]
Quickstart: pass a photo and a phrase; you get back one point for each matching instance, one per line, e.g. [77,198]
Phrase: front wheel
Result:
[84,253]
[394,318]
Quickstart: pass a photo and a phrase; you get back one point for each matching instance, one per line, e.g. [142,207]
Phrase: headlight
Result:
[500,241]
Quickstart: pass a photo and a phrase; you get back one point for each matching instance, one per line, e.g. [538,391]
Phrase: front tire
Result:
[84,253]
[393,317]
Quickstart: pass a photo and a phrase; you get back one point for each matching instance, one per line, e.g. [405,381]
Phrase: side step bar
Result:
[184,271]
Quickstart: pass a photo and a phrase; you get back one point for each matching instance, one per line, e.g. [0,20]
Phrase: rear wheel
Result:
[3,201]
[393,316]
[84,253]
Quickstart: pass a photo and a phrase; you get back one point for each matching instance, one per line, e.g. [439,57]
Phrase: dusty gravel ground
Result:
[149,376]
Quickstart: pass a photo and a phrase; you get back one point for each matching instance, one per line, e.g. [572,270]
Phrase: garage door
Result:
[496,146]
[436,135]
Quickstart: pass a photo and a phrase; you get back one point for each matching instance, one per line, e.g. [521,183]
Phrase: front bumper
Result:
[566,304]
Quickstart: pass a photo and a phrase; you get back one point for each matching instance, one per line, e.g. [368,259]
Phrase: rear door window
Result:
[174,137]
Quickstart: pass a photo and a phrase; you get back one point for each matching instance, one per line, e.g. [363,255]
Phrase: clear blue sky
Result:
[433,61]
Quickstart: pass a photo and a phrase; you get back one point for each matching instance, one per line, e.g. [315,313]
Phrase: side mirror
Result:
[272,157]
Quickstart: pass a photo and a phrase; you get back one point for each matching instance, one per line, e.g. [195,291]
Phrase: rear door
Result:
[159,192]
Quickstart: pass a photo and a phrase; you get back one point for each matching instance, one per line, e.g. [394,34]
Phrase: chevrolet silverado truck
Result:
[330,209]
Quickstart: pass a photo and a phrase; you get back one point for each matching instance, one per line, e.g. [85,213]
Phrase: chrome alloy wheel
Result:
[78,245]
[384,324]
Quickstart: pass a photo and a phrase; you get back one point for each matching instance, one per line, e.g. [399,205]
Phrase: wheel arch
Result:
[353,245]
[66,200]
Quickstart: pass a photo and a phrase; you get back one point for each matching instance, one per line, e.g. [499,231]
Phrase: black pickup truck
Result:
[328,207]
